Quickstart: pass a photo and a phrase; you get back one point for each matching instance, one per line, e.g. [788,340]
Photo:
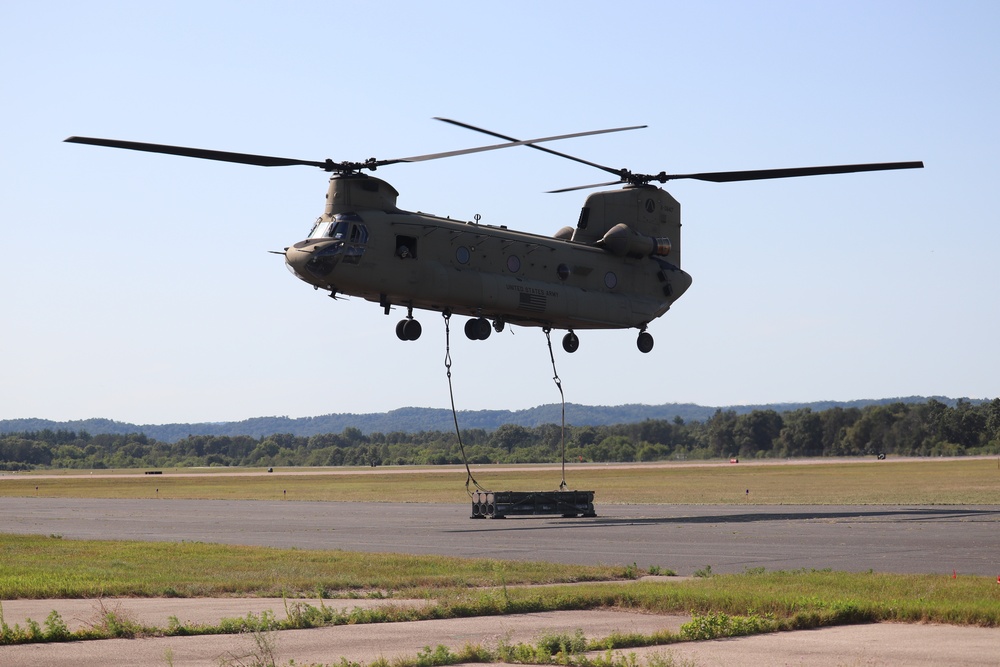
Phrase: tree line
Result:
[931,428]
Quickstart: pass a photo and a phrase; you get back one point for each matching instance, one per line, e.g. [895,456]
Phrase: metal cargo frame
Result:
[500,504]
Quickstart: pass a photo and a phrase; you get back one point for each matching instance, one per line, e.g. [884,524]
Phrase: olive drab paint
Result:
[429,263]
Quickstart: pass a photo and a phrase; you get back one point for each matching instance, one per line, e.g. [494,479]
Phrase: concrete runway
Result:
[683,538]
[881,644]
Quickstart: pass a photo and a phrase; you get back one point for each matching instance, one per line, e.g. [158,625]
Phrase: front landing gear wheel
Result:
[644,342]
[571,342]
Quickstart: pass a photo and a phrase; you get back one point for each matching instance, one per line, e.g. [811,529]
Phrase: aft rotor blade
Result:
[222,156]
[761,174]
[511,143]
[610,170]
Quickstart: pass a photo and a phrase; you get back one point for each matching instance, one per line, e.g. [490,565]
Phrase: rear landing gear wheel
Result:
[412,329]
[408,329]
[644,342]
[571,342]
[478,329]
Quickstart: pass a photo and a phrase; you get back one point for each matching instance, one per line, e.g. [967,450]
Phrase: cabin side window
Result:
[406,247]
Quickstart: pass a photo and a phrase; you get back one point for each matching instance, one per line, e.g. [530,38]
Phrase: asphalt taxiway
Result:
[682,538]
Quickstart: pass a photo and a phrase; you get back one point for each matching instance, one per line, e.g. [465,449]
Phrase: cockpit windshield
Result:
[337,228]
[330,229]
[319,229]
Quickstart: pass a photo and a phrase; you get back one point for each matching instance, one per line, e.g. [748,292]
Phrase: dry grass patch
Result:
[829,482]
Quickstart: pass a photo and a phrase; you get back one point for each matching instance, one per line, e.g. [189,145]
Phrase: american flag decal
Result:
[532,302]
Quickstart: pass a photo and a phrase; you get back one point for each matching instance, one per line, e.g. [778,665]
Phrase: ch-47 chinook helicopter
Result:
[619,268]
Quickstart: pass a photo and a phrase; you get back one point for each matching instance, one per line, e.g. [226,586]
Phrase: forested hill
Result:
[414,420]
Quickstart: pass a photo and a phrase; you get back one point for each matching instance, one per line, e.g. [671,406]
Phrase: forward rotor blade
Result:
[222,156]
[511,143]
[328,165]
[761,174]
[583,187]
[610,170]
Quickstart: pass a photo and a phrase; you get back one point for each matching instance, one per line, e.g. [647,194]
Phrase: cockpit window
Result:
[319,229]
[333,230]
[338,228]
[359,234]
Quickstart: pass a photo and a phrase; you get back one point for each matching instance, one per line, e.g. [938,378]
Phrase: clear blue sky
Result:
[137,287]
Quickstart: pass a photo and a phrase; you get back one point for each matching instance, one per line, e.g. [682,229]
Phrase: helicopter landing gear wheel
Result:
[644,342]
[478,329]
[571,342]
[412,329]
[408,329]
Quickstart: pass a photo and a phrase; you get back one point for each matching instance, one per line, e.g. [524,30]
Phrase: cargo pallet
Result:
[500,504]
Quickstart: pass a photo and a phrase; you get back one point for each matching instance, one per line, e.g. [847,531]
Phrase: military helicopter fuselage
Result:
[620,267]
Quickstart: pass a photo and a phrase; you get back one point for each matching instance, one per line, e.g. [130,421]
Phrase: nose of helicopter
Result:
[295,261]
[312,260]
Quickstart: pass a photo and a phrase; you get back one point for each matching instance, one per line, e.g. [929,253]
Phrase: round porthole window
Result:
[513,264]
[462,254]
[610,280]
[562,271]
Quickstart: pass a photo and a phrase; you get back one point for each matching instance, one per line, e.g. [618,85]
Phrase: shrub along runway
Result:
[683,538]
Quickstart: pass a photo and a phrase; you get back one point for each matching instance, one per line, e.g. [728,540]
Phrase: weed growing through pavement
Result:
[716,625]
[261,653]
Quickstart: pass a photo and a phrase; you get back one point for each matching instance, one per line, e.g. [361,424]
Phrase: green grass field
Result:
[40,567]
[757,601]
[894,482]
